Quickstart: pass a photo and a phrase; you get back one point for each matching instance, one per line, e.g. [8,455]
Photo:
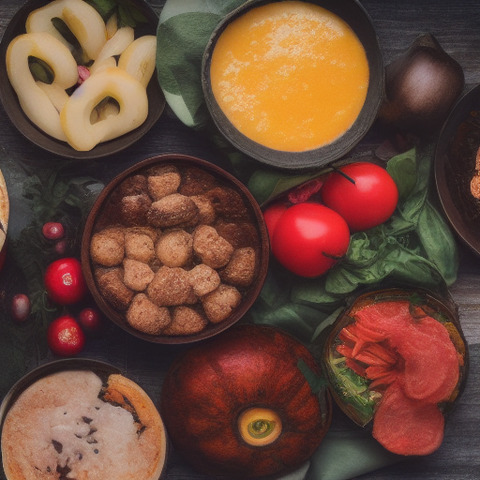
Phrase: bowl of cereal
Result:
[175,249]
[78,80]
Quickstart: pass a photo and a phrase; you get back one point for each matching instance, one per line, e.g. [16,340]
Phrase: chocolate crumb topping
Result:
[57,446]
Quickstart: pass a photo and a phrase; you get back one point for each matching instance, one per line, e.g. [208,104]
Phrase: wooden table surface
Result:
[456,25]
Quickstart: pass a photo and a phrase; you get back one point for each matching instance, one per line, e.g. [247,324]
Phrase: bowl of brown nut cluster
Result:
[175,249]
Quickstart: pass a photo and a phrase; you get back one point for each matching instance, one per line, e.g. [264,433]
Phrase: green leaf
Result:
[104,7]
[403,169]
[438,242]
[181,42]
[128,14]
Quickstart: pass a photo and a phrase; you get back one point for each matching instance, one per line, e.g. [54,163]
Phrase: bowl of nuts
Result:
[175,249]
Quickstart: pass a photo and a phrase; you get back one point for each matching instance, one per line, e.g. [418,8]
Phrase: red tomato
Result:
[64,281]
[367,201]
[65,336]
[309,239]
[272,214]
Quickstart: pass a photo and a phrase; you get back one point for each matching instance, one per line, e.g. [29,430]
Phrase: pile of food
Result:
[399,359]
[78,78]
[175,249]
[69,425]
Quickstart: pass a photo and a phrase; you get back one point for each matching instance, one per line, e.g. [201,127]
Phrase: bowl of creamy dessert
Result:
[80,418]
[294,84]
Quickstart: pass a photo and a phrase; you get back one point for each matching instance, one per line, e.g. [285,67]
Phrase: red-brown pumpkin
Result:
[239,405]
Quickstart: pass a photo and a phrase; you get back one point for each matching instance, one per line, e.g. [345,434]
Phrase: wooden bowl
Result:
[30,131]
[103,370]
[357,18]
[455,166]
[102,215]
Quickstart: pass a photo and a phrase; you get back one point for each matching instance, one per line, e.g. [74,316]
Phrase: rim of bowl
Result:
[253,291]
[102,369]
[34,134]
[359,20]
[452,185]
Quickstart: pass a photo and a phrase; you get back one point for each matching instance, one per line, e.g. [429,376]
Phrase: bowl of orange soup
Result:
[294,84]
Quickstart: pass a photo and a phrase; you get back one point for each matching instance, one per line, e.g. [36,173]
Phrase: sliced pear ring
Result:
[82,19]
[36,104]
[111,82]
[139,57]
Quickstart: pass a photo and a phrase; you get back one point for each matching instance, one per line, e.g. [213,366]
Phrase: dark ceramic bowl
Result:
[30,131]
[455,156]
[101,369]
[102,216]
[357,18]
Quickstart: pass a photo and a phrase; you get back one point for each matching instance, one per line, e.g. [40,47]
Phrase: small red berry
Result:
[20,307]
[91,320]
[65,336]
[53,230]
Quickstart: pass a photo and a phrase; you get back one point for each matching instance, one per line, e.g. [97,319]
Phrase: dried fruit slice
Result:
[425,377]
[384,317]
[406,426]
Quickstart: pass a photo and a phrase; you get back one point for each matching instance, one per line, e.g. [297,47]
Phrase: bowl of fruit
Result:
[78,78]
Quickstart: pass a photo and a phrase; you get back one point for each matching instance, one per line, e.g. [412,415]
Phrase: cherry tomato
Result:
[64,281]
[65,336]
[309,239]
[91,320]
[272,214]
[367,198]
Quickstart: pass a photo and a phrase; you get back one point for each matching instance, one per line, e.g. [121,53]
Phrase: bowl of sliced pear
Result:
[78,79]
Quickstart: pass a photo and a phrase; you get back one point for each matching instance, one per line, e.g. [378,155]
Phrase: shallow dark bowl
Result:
[355,15]
[255,212]
[102,369]
[30,131]
[455,154]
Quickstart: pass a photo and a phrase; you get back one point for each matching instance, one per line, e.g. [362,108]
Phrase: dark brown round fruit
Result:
[240,404]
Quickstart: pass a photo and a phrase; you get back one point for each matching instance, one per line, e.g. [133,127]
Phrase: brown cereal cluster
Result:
[175,250]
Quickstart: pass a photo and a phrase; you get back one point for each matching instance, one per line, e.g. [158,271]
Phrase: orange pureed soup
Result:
[290,75]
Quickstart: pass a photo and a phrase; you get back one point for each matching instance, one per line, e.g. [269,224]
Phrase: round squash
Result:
[240,405]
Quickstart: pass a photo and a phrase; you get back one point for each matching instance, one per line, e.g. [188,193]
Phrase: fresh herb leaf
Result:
[128,14]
